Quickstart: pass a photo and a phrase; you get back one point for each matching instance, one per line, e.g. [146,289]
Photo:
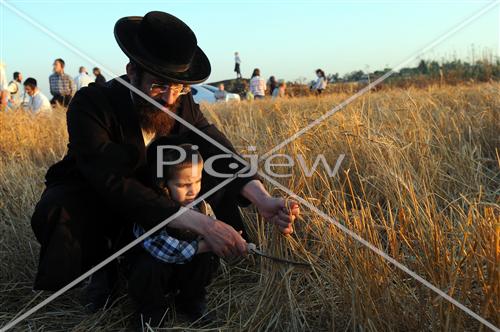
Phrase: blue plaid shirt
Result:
[61,85]
[169,249]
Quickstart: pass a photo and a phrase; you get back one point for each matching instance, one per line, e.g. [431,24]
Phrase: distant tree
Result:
[354,76]
[377,73]
[301,80]
[485,70]
[451,71]
[407,71]
[434,69]
[333,77]
[422,67]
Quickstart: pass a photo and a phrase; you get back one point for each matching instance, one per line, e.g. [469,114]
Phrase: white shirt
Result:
[237,59]
[16,93]
[320,83]
[148,136]
[82,80]
[220,95]
[39,103]
[257,86]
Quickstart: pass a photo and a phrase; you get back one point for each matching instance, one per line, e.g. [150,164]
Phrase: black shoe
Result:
[155,315]
[154,319]
[100,291]
[195,310]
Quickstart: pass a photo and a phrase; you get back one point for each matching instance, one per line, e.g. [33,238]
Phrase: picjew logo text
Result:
[271,164]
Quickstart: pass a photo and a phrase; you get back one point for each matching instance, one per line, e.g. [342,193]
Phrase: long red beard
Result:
[153,119]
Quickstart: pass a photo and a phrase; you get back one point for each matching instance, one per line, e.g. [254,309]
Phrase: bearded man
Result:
[100,188]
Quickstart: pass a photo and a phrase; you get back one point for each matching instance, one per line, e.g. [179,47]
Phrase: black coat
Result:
[105,173]
[100,80]
[106,149]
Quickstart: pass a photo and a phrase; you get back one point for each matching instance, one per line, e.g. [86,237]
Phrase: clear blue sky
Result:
[288,39]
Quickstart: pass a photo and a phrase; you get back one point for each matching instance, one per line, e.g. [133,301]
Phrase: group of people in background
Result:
[257,87]
[83,79]
[18,94]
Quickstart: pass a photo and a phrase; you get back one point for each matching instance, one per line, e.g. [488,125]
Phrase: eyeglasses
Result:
[179,89]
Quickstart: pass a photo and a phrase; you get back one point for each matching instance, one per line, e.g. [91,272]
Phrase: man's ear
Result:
[131,71]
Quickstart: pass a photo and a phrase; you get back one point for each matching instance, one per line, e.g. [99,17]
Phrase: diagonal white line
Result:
[382,254]
[75,50]
[414,56]
[120,252]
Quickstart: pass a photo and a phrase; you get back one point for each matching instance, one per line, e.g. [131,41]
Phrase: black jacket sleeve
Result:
[109,166]
[221,165]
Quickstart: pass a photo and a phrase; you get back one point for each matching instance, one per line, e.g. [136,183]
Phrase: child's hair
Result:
[170,155]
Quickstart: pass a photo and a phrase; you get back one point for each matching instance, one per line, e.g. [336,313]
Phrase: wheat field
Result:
[420,181]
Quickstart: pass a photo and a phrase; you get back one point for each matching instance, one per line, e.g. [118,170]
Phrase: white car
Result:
[205,93]
[200,94]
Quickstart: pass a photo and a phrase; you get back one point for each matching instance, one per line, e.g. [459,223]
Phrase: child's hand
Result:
[203,247]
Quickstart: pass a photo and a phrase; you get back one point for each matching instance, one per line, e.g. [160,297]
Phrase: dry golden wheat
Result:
[420,181]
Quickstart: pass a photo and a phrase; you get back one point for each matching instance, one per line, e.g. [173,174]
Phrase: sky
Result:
[287,39]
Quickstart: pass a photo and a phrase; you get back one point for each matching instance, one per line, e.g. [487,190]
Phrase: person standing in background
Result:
[16,90]
[279,91]
[83,79]
[257,85]
[62,86]
[271,84]
[321,82]
[237,62]
[99,78]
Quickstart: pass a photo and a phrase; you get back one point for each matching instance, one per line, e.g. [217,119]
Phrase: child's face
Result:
[186,184]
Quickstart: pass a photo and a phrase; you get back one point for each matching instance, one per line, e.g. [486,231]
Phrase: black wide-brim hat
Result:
[164,46]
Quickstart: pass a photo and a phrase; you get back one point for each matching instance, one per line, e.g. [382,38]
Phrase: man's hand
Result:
[224,240]
[220,238]
[271,208]
[274,209]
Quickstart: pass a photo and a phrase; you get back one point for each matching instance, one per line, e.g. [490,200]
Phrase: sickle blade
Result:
[256,251]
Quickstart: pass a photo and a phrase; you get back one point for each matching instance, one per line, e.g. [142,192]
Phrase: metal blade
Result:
[253,249]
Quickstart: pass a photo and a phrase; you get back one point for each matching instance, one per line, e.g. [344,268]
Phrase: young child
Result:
[171,260]
[181,182]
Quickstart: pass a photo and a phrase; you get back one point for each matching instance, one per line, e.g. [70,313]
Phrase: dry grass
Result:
[421,181]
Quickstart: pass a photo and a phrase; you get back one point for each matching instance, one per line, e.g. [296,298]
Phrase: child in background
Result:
[279,91]
[172,260]
[247,94]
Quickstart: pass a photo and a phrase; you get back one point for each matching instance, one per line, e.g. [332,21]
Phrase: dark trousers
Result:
[75,229]
[237,70]
[60,99]
[150,280]
[74,232]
